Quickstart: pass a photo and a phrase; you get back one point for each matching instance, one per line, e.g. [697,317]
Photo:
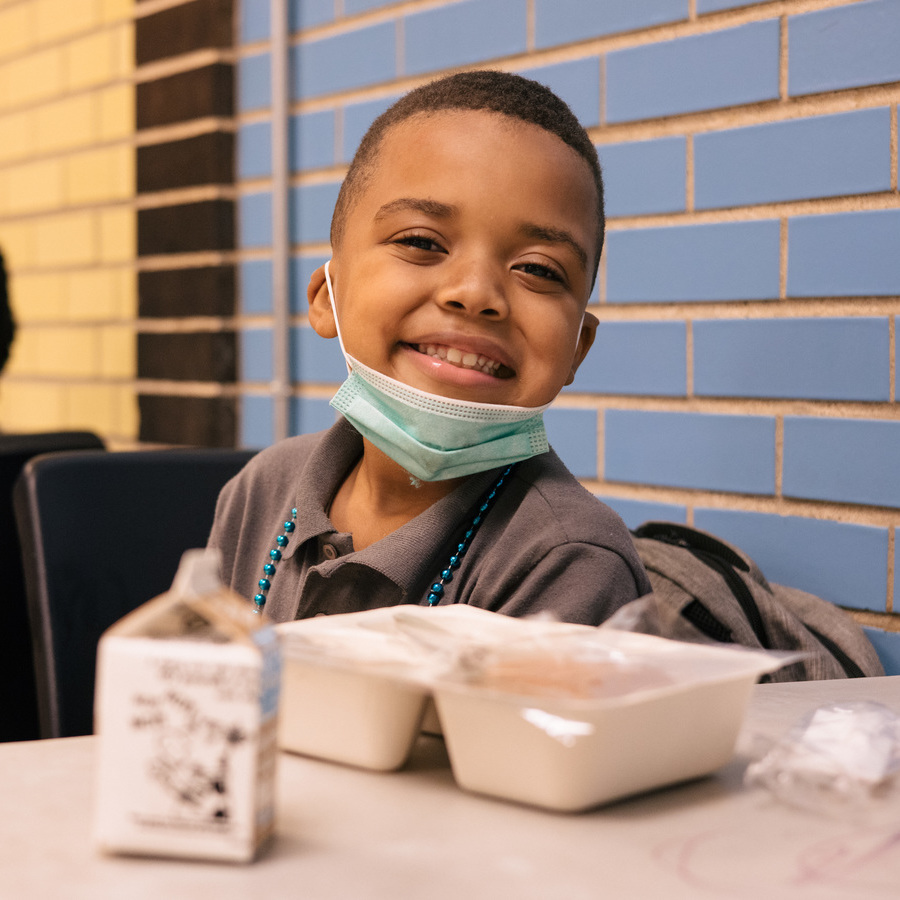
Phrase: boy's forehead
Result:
[406,143]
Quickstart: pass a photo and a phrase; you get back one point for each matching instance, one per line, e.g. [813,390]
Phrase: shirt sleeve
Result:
[574,582]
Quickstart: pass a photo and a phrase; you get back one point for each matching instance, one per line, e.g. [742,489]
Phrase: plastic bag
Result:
[843,759]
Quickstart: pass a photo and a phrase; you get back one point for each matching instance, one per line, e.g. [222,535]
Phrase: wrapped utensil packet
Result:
[186,715]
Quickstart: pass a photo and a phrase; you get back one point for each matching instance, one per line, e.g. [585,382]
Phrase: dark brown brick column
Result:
[186,223]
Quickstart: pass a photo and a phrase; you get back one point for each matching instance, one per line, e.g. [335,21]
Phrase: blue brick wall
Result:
[743,377]
[727,261]
[708,71]
[821,359]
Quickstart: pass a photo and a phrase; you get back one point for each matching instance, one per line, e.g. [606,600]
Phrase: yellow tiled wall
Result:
[67,215]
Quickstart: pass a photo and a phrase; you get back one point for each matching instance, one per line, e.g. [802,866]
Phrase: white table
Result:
[351,834]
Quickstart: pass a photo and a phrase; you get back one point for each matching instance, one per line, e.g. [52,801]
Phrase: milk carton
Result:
[185,710]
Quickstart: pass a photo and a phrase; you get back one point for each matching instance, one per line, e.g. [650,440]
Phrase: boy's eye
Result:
[420,242]
[539,271]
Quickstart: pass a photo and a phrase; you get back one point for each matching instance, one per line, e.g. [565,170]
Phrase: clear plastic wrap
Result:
[842,759]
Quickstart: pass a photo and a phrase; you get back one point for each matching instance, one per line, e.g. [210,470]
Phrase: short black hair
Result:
[482,90]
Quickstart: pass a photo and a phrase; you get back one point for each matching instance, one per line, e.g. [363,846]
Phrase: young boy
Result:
[466,238]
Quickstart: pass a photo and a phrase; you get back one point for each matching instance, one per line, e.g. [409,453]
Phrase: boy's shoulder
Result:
[558,503]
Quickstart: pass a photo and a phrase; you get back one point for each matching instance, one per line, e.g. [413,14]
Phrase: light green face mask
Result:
[434,437]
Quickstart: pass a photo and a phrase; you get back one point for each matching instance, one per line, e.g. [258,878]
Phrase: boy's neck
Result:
[378,496]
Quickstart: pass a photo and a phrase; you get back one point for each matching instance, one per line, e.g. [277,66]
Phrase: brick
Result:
[345,61]
[90,407]
[357,119]
[118,235]
[116,10]
[311,207]
[309,13]
[644,177]
[39,296]
[310,414]
[302,268]
[564,21]
[708,6]
[646,358]
[257,418]
[708,71]
[17,32]
[177,293]
[61,18]
[848,46]
[184,28]
[256,286]
[254,79]
[89,60]
[67,124]
[691,450]
[812,359]
[67,239]
[887,646]
[200,160]
[573,435]
[255,220]
[315,360]
[351,7]
[34,187]
[463,33]
[195,94]
[577,82]
[254,145]
[118,352]
[24,356]
[842,460]
[311,141]
[847,254]
[100,175]
[17,136]
[123,51]
[195,421]
[635,512]
[823,156]
[186,228]
[255,350]
[187,356]
[91,294]
[115,112]
[255,21]
[19,243]
[838,561]
[728,261]
[31,407]
[67,352]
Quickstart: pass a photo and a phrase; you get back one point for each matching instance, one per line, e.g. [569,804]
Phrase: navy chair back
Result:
[18,700]
[101,534]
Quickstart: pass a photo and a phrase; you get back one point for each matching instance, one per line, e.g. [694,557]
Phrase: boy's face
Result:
[465,263]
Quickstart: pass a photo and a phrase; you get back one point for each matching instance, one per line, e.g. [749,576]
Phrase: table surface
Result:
[346,833]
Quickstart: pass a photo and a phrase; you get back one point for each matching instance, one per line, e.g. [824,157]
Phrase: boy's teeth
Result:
[458,358]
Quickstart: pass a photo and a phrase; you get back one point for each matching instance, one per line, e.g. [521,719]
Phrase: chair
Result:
[18,701]
[102,533]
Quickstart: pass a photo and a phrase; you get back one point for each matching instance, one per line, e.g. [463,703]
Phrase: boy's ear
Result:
[585,339]
[321,316]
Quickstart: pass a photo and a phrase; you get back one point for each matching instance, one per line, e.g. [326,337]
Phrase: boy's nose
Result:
[475,290]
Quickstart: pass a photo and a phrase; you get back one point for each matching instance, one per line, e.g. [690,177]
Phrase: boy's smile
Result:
[465,263]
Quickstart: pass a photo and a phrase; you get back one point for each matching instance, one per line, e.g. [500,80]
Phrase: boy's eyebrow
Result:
[430,207]
[555,236]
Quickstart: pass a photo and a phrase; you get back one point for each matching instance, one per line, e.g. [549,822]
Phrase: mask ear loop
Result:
[337,324]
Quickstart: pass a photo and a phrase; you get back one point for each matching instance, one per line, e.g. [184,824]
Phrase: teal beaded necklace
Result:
[435,592]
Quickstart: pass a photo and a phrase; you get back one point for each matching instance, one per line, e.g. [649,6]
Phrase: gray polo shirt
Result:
[547,544]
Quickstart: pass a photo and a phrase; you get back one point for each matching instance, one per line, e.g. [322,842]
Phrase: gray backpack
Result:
[721,592]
